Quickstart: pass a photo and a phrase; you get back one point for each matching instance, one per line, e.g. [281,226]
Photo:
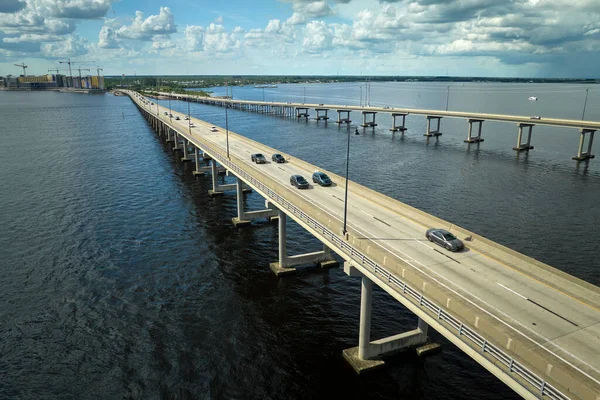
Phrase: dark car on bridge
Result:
[321,178]
[299,181]
[278,158]
[258,158]
[445,239]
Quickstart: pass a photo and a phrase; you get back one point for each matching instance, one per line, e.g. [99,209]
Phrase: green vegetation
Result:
[178,83]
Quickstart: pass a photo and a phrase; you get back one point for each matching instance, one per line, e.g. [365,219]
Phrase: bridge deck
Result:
[543,317]
[390,110]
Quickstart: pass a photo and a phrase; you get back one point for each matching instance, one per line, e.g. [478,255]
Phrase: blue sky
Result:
[526,38]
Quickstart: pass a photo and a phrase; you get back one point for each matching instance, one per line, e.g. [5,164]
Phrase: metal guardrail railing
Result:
[463,331]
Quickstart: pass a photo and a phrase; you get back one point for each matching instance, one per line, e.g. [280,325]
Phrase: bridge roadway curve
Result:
[543,318]
[570,123]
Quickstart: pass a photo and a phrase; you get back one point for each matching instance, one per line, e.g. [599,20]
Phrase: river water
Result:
[121,278]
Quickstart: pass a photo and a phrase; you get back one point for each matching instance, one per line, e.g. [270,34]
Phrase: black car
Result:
[278,158]
[444,239]
[321,178]
[177,118]
[299,181]
[258,158]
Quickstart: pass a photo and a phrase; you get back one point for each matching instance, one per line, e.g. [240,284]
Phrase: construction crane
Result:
[98,69]
[73,62]
[22,65]
[54,69]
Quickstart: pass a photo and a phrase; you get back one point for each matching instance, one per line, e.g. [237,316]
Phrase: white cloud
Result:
[145,29]
[72,46]
[212,39]
[314,9]
[78,9]
[107,38]
[317,37]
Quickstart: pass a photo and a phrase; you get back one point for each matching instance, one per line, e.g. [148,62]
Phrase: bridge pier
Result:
[520,145]
[217,189]
[176,141]
[286,264]
[169,135]
[366,123]
[367,355]
[474,139]
[244,218]
[321,116]
[186,155]
[341,120]
[302,112]
[436,132]
[585,155]
[402,127]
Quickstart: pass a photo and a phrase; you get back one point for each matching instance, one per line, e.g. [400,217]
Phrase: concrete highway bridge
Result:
[533,326]
[524,124]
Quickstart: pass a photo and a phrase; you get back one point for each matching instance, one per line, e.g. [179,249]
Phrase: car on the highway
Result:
[445,239]
[177,118]
[187,118]
[278,158]
[321,178]
[298,181]
[258,158]
[536,117]
[166,113]
[213,129]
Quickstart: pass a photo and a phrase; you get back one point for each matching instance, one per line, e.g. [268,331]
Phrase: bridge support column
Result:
[186,156]
[402,127]
[436,132]
[367,355]
[520,145]
[370,123]
[199,170]
[286,264]
[474,139]
[169,135]
[345,120]
[244,218]
[217,189]
[176,146]
[321,116]
[302,112]
[585,155]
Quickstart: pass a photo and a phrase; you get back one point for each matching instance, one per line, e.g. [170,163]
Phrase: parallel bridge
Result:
[524,124]
[533,326]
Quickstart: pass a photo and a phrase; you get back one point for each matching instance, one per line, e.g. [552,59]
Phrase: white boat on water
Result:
[533,98]
[265,86]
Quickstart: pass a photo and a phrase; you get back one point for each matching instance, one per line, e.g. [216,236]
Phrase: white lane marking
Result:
[424,244]
[395,252]
[364,212]
[510,290]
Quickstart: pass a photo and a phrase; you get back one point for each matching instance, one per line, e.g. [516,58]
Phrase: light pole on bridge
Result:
[344,230]
[227,129]
[585,103]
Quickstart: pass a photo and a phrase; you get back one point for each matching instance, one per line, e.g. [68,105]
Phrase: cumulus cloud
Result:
[72,46]
[107,38]
[317,37]
[146,29]
[78,9]
[314,9]
[214,39]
